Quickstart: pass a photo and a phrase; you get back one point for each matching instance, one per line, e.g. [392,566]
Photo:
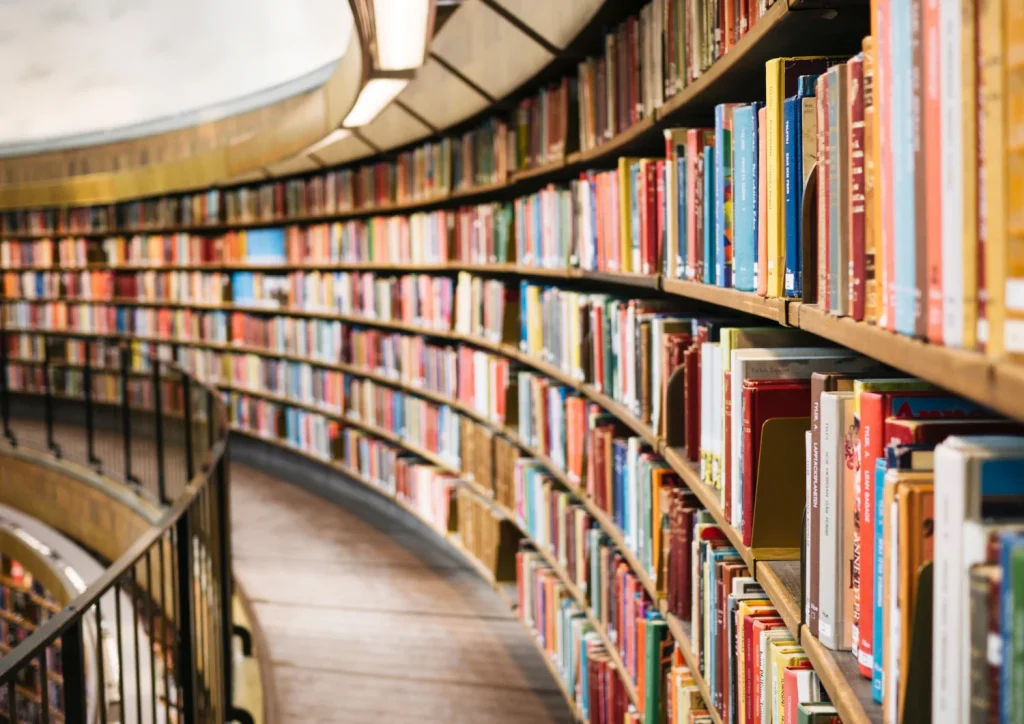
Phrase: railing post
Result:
[186,625]
[90,438]
[211,434]
[51,444]
[72,654]
[126,415]
[5,401]
[186,388]
[158,414]
[223,482]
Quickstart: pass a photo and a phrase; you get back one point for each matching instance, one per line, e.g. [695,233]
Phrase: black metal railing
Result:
[150,639]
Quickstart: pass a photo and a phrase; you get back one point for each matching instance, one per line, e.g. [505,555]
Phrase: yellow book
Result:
[992,80]
[625,214]
[773,642]
[783,658]
[1013,330]
[969,149]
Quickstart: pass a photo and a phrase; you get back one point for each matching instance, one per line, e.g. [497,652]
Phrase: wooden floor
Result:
[367,619]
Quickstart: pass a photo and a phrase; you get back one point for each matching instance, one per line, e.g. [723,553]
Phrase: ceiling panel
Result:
[488,49]
[432,83]
[295,164]
[557,22]
[394,127]
[343,151]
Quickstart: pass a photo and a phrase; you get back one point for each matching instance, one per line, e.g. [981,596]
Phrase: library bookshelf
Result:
[785,29]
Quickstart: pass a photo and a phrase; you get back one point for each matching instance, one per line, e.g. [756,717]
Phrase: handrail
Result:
[170,591]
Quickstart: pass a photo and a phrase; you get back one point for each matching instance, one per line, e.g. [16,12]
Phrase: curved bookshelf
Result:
[848,689]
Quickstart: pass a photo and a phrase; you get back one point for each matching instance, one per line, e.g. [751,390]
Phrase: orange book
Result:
[1013,331]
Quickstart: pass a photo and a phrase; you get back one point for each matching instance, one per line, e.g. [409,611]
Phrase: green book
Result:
[654,699]
[817,713]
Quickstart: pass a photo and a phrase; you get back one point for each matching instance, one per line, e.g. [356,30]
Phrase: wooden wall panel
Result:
[394,127]
[440,97]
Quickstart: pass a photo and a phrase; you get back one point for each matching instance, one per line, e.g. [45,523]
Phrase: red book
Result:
[764,400]
[858,250]
[932,432]
[758,625]
[791,691]
[659,218]
[649,252]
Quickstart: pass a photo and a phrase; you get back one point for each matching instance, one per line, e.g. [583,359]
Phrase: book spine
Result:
[775,213]
[791,135]
[818,386]
[917,294]
[962,330]
[836,201]
[877,672]
[882,17]
[906,140]
[822,230]
[744,214]
[871,211]
[992,121]
[856,183]
[1013,288]
[709,210]
[830,480]
[808,158]
[761,255]
[872,445]
[723,195]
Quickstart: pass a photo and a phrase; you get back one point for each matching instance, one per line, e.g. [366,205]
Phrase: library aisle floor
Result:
[368,618]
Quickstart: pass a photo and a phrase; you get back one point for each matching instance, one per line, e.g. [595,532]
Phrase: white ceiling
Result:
[88,71]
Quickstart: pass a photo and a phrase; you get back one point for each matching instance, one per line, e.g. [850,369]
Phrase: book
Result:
[966,469]
[745,215]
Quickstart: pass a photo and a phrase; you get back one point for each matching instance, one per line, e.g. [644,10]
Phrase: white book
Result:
[952,169]
[807,525]
[706,408]
[959,462]
[833,416]
[760,363]
[717,416]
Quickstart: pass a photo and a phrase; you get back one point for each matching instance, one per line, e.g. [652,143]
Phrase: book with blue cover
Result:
[903,189]
[745,153]
[265,246]
[793,171]
[709,215]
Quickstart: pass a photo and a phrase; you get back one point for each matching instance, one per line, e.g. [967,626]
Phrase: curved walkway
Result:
[368,616]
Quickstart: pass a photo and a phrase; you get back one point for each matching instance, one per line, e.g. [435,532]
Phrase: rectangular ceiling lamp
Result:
[374,96]
[401,32]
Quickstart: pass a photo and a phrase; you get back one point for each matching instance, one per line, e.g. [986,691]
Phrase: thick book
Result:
[762,401]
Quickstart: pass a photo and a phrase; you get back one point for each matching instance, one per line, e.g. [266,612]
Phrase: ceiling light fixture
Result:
[401,28]
[374,96]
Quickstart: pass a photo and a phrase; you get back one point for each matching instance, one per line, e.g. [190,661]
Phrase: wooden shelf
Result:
[746,302]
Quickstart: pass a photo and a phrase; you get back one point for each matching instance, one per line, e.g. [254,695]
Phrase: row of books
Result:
[24,606]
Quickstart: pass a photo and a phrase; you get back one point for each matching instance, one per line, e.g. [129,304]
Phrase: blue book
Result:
[903,139]
[634,184]
[723,194]
[792,193]
[881,467]
[744,122]
[265,246]
[709,215]
[680,201]
[619,482]
[523,316]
